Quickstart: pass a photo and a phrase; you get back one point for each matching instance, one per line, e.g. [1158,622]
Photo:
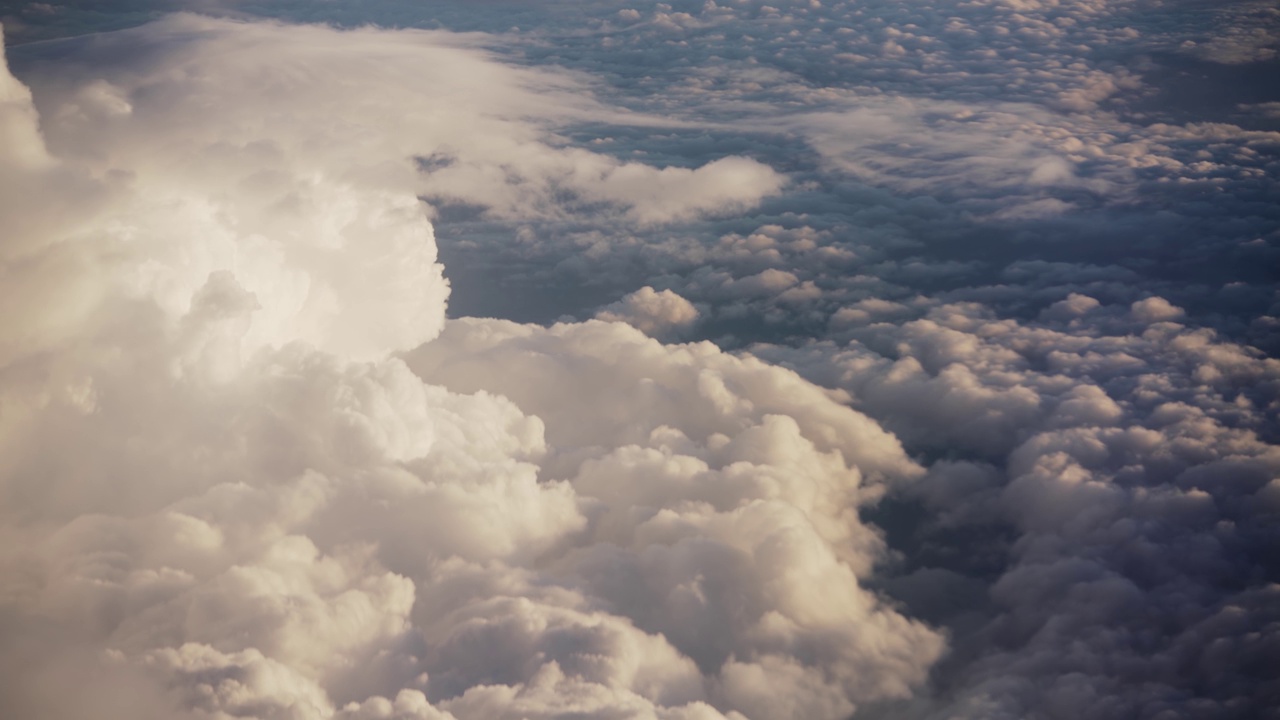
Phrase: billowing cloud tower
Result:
[235,482]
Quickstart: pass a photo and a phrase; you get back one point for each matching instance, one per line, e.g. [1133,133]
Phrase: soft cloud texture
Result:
[653,312]
[225,496]
[1126,464]
[1017,256]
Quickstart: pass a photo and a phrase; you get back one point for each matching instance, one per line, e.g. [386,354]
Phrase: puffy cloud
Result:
[474,354]
[230,492]
[1155,309]
[726,185]
[1240,35]
[1130,486]
[1032,240]
[653,312]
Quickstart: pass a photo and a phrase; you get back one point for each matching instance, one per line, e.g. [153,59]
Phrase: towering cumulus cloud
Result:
[227,491]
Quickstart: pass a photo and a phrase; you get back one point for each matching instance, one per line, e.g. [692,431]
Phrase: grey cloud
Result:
[1126,482]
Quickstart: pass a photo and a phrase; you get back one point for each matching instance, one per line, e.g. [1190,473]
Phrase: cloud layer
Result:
[976,417]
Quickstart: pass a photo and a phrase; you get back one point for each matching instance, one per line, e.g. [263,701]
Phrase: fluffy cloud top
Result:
[224,496]
[1022,248]
[653,312]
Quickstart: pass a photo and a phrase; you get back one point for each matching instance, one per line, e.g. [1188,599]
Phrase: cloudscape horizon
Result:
[683,361]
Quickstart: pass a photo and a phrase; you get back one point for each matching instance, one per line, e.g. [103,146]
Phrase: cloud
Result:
[229,491]
[1132,443]
[1239,36]
[653,312]
[1022,248]
[726,185]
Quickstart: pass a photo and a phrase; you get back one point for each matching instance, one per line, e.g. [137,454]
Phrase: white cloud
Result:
[1155,309]
[1001,235]
[653,312]
[225,496]
[727,185]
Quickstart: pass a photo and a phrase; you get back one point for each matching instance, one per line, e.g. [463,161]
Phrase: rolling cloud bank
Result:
[831,360]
